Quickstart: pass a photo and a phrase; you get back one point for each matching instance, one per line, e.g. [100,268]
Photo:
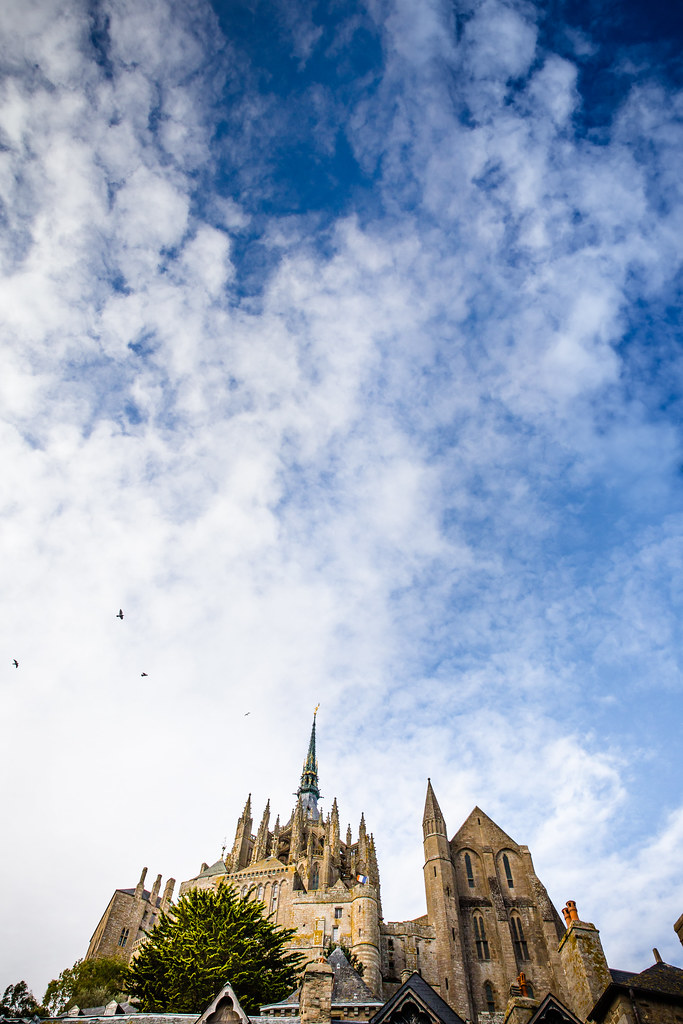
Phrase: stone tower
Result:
[306,876]
[492,917]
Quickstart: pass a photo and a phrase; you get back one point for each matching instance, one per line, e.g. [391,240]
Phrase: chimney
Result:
[315,998]
[168,894]
[583,961]
[140,887]
[155,893]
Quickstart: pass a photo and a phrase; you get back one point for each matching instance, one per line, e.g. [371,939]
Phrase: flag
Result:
[362,879]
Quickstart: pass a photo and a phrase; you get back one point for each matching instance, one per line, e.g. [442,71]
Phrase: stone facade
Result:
[491,944]
[131,913]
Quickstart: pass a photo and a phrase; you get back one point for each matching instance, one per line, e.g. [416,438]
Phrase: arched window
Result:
[521,948]
[468,871]
[260,892]
[244,891]
[488,996]
[480,938]
[314,877]
[508,871]
[273,899]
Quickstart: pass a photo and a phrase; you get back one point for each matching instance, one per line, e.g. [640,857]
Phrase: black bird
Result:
[143,673]
[247,713]
[15,663]
[120,615]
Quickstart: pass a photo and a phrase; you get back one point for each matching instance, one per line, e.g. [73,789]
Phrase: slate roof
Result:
[418,988]
[661,982]
[553,1009]
[348,986]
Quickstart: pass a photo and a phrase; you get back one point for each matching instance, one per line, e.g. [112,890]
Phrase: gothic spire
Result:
[308,789]
[432,820]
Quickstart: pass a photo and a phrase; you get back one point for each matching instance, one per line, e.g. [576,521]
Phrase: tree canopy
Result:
[87,983]
[210,937]
[19,1001]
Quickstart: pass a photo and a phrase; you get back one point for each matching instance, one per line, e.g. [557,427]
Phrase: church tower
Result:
[443,909]
[306,876]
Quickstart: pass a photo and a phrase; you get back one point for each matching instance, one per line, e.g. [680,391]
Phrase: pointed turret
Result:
[432,820]
[442,909]
[239,858]
[308,789]
[275,842]
[334,829]
[349,835]
[260,851]
[297,840]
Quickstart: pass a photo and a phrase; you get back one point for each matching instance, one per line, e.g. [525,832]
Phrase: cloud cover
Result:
[342,352]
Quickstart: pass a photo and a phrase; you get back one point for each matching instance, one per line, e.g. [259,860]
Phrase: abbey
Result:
[488,915]
[491,944]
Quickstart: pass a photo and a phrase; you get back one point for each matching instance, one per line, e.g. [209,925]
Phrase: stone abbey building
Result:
[490,931]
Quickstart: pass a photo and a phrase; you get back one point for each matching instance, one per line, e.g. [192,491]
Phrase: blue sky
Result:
[341,348]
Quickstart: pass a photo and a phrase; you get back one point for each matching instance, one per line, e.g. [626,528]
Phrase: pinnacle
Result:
[432,811]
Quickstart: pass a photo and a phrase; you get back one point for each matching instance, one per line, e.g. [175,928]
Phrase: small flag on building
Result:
[362,879]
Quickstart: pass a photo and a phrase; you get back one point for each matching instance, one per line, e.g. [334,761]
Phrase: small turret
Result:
[275,841]
[239,858]
[260,851]
[297,839]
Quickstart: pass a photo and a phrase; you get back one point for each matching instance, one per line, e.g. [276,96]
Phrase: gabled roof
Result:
[661,982]
[417,991]
[469,831]
[215,869]
[261,865]
[223,1007]
[553,1011]
[347,985]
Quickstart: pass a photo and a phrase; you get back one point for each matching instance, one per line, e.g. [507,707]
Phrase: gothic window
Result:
[314,877]
[518,939]
[123,937]
[508,872]
[273,899]
[260,892]
[468,871]
[488,996]
[480,938]
[244,892]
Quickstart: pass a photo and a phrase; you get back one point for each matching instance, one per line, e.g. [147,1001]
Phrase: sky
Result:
[340,348]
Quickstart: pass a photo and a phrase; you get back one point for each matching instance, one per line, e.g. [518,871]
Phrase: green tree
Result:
[210,937]
[357,964]
[87,983]
[18,1001]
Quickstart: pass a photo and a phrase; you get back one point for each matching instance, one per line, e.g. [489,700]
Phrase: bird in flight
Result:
[143,673]
[247,713]
[120,615]
[15,663]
